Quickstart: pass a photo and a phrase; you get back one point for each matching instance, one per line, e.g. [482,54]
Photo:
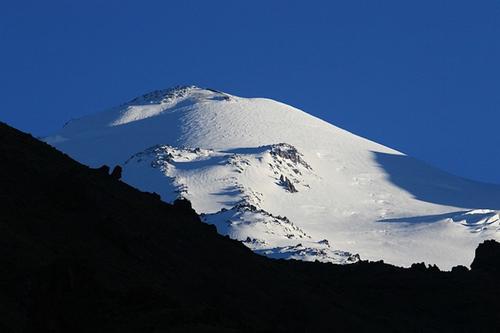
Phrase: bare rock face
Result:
[183,204]
[287,184]
[117,172]
[83,252]
[290,153]
[487,257]
[103,169]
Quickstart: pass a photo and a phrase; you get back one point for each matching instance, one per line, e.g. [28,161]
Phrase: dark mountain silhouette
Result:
[83,252]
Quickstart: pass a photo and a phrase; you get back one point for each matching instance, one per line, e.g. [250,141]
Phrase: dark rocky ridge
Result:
[84,252]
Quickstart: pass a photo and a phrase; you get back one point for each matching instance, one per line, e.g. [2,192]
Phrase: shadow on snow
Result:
[430,184]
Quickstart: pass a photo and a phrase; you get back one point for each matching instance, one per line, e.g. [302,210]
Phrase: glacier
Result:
[285,183]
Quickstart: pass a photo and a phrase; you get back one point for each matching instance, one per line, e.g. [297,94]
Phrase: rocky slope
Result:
[84,252]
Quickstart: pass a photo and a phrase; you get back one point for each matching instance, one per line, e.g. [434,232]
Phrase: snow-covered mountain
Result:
[285,183]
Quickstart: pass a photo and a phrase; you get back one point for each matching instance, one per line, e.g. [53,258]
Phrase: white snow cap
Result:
[286,183]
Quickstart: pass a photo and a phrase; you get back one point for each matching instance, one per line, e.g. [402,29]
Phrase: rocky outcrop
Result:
[287,184]
[117,172]
[288,152]
[487,258]
[82,252]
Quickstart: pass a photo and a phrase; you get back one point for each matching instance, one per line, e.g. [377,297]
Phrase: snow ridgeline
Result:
[271,235]
[260,161]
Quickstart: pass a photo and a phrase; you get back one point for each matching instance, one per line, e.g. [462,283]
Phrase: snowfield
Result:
[285,183]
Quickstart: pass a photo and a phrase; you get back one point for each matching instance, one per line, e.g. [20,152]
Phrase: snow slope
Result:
[287,184]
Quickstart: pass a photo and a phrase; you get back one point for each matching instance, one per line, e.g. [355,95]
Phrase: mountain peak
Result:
[222,153]
[169,95]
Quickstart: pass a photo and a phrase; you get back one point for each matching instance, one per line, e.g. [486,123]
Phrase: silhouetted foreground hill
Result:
[84,252]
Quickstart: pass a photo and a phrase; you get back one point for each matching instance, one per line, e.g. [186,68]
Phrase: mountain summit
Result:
[286,183]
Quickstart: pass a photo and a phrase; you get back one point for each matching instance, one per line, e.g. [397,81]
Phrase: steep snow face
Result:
[285,183]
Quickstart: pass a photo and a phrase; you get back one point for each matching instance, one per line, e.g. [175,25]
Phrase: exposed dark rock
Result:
[86,253]
[418,267]
[433,268]
[289,152]
[459,269]
[183,203]
[282,220]
[324,242]
[354,258]
[104,169]
[421,267]
[156,195]
[117,172]
[162,96]
[287,184]
[487,258]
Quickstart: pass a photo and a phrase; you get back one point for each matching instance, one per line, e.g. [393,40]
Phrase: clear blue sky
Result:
[419,76]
